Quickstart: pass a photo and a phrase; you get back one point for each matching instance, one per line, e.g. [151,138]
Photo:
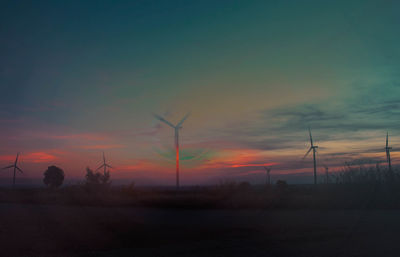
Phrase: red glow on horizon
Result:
[39,157]
[35,157]
[101,147]
[83,136]
[239,159]
[140,165]
[7,157]
[254,164]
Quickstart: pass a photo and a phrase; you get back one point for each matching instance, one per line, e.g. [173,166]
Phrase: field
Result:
[234,220]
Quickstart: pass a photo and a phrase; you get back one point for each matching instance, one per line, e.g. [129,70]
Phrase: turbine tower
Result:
[104,165]
[15,168]
[314,149]
[268,170]
[387,148]
[176,129]
[327,174]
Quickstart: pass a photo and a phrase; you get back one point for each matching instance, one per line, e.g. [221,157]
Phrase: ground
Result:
[55,230]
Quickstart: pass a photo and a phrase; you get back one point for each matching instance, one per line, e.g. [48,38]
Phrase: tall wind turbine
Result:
[104,165]
[15,168]
[268,170]
[314,149]
[387,148]
[176,129]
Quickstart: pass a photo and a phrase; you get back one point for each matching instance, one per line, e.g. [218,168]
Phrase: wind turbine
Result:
[387,148]
[176,129]
[268,170]
[104,165]
[314,149]
[15,168]
[327,174]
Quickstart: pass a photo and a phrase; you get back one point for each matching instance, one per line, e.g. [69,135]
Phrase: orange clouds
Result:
[82,136]
[7,157]
[141,165]
[35,157]
[239,158]
[101,147]
[38,157]
[254,164]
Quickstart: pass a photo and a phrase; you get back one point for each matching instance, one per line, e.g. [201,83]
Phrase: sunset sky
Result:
[80,77]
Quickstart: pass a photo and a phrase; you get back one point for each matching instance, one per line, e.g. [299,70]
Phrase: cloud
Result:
[255,164]
[33,157]
[101,147]
[39,157]
[78,136]
[285,127]
[349,128]
[138,165]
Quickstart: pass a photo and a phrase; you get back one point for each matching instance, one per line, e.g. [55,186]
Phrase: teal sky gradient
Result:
[81,77]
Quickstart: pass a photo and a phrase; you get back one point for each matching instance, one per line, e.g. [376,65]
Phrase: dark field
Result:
[245,221]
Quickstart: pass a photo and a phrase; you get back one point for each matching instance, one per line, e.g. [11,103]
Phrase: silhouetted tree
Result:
[53,177]
[96,180]
[244,186]
[281,185]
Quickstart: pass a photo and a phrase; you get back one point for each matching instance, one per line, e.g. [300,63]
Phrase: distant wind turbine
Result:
[314,149]
[327,174]
[15,168]
[176,129]
[387,148]
[268,170]
[104,165]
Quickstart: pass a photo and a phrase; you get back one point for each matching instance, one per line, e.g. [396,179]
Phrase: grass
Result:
[279,220]
[355,188]
[337,196]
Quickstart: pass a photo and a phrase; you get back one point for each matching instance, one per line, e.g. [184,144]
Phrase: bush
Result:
[53,177]
[97,180]
[281,185]
[128,189]
[244,186]
[368,175]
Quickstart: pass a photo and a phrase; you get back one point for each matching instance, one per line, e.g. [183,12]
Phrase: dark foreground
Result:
[53,230]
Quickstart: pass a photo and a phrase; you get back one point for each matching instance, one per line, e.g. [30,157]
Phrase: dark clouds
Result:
[359,120]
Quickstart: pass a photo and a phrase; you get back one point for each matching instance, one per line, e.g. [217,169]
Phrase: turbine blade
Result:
[16,159]
[164,120]
[109,166]
[267,169]
[19,170]
[309,130]
[183,119]
[309,150]
[387,139]
[100,167]
[11,166]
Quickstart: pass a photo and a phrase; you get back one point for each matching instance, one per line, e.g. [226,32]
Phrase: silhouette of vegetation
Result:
[281,185]
[366,175]
[97,180]
[227,186]
[53,177]
[244,185]
[130,188]
[282,192]
[351,188]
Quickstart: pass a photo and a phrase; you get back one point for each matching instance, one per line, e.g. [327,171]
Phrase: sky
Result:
[81,77]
